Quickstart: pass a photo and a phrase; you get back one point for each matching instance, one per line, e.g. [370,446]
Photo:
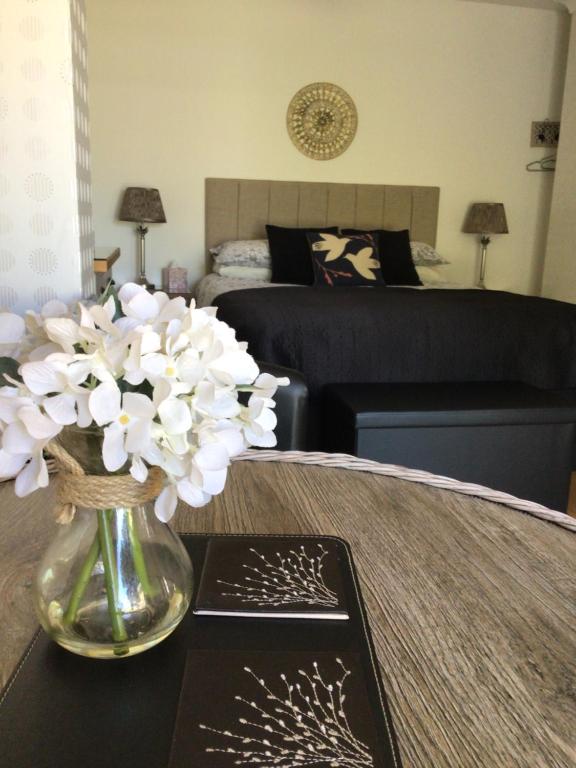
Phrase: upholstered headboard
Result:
[239,209]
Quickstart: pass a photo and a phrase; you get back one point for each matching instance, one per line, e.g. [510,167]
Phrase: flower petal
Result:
[213,482]
[138,470]
[12,328]
[151,342]
[138,405]
[263,440]
[165,504]
[54,308]
[260,415]
[234,367]
[113,451]
[104,403]
[61,408]
[175,416]
[231,437]
[63,331]
[173,309]
[137,435]
[16,439]
[42,352]
[41,427]
[43,377]
[84,415]
[10,403]
[10,464]
[143,306]
[129,290]
[33,476]
[211,457]
[191,494]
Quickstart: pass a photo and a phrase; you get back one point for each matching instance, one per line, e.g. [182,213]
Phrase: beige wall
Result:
[46,236]
[186,89]
[560,268]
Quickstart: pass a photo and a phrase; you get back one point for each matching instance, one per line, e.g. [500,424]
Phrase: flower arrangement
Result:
[161,380]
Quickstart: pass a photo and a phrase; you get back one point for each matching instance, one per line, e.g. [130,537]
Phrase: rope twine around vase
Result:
[77,489]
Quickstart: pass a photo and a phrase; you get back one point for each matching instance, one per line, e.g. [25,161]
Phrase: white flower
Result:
[217,402]
[60,376]
[142,307]
[12,330]
[184,412]
[128,432]
[25,433]
[266,385]
[261,422]
[234,367]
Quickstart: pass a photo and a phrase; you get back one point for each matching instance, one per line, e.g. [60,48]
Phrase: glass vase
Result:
[113,582]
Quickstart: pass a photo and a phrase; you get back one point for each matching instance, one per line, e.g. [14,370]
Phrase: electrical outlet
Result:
[545,133]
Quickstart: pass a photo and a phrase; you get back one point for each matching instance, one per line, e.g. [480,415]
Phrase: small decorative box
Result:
[175,279]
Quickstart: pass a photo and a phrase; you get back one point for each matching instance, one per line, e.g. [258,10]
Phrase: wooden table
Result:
[472,604]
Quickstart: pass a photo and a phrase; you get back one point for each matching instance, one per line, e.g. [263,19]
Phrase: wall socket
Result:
[545,133]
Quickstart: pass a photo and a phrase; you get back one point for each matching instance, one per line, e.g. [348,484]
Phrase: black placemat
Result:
[62,709]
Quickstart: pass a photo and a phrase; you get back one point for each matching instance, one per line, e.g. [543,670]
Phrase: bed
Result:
[379,334]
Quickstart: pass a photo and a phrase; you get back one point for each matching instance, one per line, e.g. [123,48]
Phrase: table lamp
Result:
[485,219]
[144,206]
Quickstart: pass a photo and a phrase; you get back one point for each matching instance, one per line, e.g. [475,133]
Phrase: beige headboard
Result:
[239,209]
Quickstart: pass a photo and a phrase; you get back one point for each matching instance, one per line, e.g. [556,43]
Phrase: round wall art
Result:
[322,120]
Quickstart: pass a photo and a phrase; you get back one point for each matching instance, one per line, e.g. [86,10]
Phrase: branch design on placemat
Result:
[294,578]
[305,724]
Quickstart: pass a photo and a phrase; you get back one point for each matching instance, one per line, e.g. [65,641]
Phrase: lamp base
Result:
[143,280]
[484,242]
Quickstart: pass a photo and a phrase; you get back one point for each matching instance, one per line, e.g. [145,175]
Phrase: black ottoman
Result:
[509,437]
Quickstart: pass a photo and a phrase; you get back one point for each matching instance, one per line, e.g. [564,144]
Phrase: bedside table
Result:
[104,258]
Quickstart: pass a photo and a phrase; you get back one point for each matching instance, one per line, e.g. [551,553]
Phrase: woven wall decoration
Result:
[322,120]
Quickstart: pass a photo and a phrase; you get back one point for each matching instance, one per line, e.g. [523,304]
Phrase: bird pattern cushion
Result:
[350,260]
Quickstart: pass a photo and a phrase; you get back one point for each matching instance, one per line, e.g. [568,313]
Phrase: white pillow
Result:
[246,273]
[242,253]
[430,275]
[423,255]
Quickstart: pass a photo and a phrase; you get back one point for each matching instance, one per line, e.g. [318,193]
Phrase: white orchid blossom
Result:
[160,379]
[128,431]
[25,431]
[12,330]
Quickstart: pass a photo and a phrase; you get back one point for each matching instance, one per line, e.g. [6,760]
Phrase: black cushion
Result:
[395,255]
[290,255]
[339,260]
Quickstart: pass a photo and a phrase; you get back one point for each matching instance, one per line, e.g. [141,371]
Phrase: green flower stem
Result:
[82,581]
[110,575]
[138,555]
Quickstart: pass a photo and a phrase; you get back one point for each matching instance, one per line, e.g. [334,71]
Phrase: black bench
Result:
[291,408]
[509,437]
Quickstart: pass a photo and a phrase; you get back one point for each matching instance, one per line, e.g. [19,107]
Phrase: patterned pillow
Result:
[423,255]
[338,260]
[395,255]
[242,253]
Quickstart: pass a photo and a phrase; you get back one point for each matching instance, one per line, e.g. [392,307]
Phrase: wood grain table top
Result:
[472,604]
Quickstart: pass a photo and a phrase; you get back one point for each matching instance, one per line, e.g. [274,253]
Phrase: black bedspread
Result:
[403,335]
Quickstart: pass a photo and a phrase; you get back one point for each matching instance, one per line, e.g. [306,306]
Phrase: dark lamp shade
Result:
[143,205]
[486,219]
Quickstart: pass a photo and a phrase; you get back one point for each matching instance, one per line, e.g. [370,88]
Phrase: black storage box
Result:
[509,437]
